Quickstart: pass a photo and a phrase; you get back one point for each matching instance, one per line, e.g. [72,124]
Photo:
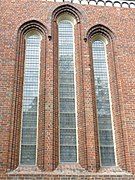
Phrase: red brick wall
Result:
[121,62]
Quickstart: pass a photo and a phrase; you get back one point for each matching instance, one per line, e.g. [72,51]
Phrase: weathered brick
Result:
[121,66]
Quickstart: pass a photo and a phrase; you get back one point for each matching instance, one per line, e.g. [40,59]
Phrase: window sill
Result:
[68,169]
[112,170]
[25,170]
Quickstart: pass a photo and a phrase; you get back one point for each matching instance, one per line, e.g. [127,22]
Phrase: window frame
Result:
[72,21]
[14,145]
[30,33]
[101,38]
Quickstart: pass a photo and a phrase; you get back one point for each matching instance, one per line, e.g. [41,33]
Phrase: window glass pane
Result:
[28,154]
[68,149]
[29,119]
[67,105]
[68,136]
[108,156]
[68,153]
[67,90]
[67,120]
[30,101]
[103,105]
[29,136]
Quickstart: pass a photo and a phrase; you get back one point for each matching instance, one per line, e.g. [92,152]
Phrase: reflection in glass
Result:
[30,101]
[103,105]
[67,116]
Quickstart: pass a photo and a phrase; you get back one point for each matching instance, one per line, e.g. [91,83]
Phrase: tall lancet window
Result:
[103,104]
[67,97]
[30,100]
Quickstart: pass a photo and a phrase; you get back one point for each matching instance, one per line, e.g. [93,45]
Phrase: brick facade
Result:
[117,25]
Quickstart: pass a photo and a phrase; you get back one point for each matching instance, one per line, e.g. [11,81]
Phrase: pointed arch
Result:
[71,14]
[14,146]
[103,35]
[100,30]
[66,8]
[32,25]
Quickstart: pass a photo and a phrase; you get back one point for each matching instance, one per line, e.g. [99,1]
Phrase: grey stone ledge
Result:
[113,3]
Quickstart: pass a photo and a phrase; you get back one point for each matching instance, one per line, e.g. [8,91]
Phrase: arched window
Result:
[67,94]
[30,99]
[103,103]
[26,119]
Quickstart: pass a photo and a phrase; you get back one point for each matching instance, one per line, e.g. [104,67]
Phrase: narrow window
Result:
[67,105]
[107,154]
[30,101]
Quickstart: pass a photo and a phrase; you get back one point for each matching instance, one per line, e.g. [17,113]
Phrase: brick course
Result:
[16,16]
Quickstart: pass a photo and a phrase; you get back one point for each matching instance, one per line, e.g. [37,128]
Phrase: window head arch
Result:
[99,37]
[34,33]
[32,26]
[66,9]
[66,17]
[100,32]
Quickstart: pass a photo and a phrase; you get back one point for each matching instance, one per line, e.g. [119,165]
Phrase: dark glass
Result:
[107,154]
[68,149]
[30,101]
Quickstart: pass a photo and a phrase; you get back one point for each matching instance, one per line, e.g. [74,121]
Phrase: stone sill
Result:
[68,169]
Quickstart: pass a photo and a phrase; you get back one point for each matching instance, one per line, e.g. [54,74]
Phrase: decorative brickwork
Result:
[116,24]
[115,3]
[13,159]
